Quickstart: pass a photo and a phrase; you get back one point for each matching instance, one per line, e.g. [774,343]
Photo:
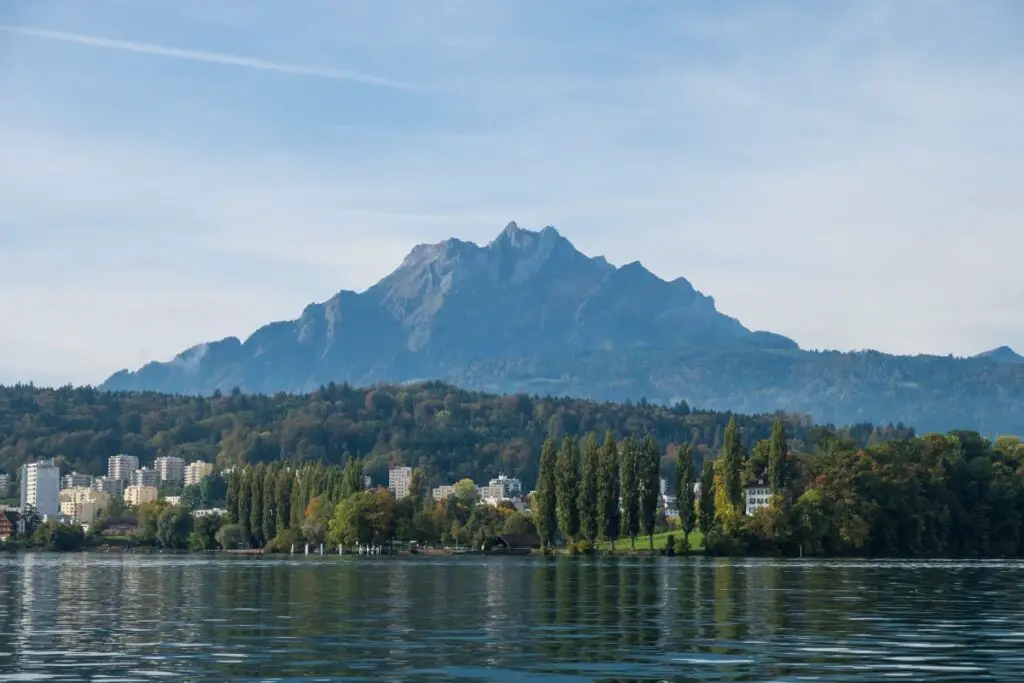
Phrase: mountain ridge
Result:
[527,311]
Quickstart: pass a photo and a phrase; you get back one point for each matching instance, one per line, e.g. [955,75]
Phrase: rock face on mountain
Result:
[529,312]
[454,303]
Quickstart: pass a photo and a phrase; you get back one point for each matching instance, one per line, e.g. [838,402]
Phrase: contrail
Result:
[212,58]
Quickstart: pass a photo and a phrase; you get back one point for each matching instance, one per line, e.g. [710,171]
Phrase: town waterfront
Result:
[92,617]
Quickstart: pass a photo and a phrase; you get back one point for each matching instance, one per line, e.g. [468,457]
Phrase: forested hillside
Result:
[450,433]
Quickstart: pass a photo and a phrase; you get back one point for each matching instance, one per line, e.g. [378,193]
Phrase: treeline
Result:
[450,433]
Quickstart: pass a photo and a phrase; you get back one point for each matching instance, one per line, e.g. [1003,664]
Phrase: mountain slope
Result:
[530,313]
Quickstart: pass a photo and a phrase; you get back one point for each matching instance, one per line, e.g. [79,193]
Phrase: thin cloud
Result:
[221,58]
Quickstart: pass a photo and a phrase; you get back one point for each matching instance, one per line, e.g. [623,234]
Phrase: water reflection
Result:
[84,617]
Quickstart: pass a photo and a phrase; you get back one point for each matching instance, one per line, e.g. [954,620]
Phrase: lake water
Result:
[113,618]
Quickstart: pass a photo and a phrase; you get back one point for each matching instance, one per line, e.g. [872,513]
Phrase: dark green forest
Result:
[449,433]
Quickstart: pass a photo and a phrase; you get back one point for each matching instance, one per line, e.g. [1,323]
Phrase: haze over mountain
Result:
[529,312]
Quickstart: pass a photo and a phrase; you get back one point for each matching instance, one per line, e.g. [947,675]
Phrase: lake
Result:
[119,618]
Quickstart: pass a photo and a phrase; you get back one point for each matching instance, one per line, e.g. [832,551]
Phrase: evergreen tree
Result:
[609,519]
[684,491]
[269,506]
[256,513]
[649,466]
[777,458]
[567,481]
[233,501]
[545,516]
[706,515]
[299,497]
[630,491]
[283,498]
[732,466]
[244,502]
[587,503]
[353,479]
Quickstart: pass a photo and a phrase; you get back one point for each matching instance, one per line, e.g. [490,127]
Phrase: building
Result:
[144,476]
[756,495]
[172,500]
[196,471]
[170,469]
[5,484]
[6,527]
[367,484]
[511,487]
[75,480]
[399,480]
[121,466]
[40,487]
[442,492]
[211,512]
[492,494]
[83,503]
[137,495]
[111,487]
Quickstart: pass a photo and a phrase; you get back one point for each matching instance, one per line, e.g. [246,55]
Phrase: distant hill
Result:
[529,312]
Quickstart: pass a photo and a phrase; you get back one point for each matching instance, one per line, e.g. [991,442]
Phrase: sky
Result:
[177,171]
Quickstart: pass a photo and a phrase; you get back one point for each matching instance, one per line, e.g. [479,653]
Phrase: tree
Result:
[777,455]
[173,527]
[63,538]
[706,507]
[465,490]
[231,536]
[352,481]
[191,497]
[318,515]
[518,523]
[269,510]
[587,503]
[649,461]
[256,514]
[545,516]
[684,491]
[567,479]
[732,465]
[31,521]
[610,521]
[204,533]
[366,518]
[283,497]
[630,491]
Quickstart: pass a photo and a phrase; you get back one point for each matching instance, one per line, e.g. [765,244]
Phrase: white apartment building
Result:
[442,492]
[137,495]
[83,504]
[121,466]
[171,469]
[5,484]
[144,476]
[399,479]
[75,480]
[510,487]
[196,471]
[40,487]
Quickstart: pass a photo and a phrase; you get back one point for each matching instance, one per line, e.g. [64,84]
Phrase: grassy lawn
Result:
[660,540]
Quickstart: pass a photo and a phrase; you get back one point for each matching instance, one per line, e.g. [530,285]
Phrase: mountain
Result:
[1004,355]
[528,312]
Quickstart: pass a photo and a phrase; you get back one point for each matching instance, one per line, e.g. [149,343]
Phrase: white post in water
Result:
[321,548]
[293,549]
[339,550]
[307,549]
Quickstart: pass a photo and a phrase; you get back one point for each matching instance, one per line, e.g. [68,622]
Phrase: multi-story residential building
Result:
[5,484]
[366,482]
[445,491]
[196,471]
[137,495]
[511,487]
[75,480]
[492,494]
[172,500]
[399,479]
[40,487]
[171,469]
[757,495]
[121,466]
[111,487]
[83,503]
[145,476]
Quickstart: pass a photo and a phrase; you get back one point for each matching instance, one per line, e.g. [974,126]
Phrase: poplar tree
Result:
[567,480]
[732,466]
[352,480]
[684,491]
[649,466]
[587,503]
[706,516]
[256,513]
[608,511]
[630,491]
[544,516]
[777,457]
[269,504]
[244,504]
[283,498]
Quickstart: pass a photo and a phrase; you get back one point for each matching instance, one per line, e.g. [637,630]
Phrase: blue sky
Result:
[848,174]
